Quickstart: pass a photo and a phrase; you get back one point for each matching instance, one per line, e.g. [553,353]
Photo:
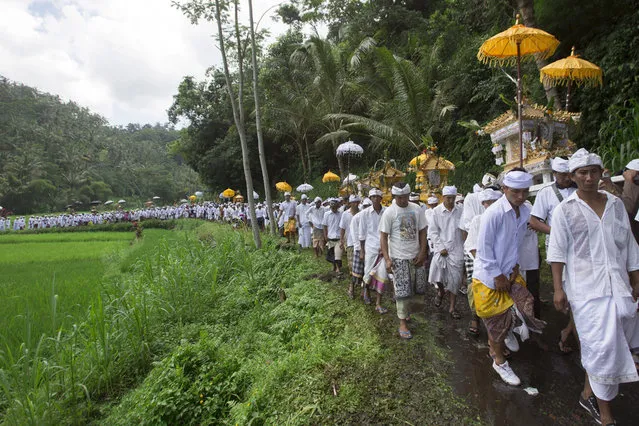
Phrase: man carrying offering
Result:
[591,237]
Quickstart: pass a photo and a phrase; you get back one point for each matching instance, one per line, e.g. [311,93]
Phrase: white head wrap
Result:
[367,202]
[583,158]
[317,199]
[432,200]
[414,196]
[633,165]
[476,188]
[518,180]
[489,194]
[459,198]
[559,165]
[287,193]
[375,192]
[304,196]
[449,190]
[488,179]
[353,199]
[400,191]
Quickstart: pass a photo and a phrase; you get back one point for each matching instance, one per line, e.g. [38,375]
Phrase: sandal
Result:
[474,330]
[381,310]
[407,335]
[455,315]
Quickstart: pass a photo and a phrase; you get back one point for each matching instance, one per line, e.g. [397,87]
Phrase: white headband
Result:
[375,192]
[583,158]
[559,165]
[449,190]
[433,200]
[489,194]
[518,180]
[488,179]
[400,191]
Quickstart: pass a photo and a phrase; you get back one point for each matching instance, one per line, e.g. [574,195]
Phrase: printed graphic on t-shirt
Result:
[407,226]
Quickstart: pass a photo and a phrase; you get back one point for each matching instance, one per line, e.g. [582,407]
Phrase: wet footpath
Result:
[557,377]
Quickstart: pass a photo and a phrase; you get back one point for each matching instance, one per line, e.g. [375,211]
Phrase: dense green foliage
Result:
[202,328]
[53,153]
[398,75]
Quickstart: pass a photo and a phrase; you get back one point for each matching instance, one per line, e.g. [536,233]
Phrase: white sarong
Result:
[447,270]
[608,329]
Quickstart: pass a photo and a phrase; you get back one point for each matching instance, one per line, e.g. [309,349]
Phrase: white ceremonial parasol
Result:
[256,196]
[121,201]
[350,178]
[349,148]
[156,198]
[106,203]
[305,187]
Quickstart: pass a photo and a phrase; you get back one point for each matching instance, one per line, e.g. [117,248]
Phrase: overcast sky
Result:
[121,58]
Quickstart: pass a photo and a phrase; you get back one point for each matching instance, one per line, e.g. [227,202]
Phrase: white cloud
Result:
[121,58]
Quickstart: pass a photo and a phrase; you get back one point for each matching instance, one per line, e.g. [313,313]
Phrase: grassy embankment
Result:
[203,329]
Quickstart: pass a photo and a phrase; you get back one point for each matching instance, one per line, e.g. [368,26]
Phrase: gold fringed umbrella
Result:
[571,70]
[330,177]
[510,47]
[283,187]
[228,193]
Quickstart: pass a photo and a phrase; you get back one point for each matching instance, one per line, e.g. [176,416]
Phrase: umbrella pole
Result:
[568,96]
[521,141]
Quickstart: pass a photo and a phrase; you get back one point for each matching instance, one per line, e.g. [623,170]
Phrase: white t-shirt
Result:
[345,224]
[402,224]
[331,223]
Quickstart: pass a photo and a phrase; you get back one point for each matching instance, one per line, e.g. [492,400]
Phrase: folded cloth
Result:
[378,275]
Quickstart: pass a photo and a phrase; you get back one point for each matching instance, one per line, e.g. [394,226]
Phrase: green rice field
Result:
[48,280]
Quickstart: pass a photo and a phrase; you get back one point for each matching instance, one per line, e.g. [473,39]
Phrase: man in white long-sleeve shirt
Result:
[447,266]
[499,291]
[369,242]
[315,215]
[591,237]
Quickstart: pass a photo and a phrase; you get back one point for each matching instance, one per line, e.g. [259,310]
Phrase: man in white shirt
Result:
[447,266]
[499,291]
[288,207]
[332,235]
[546,200]
[303,223]
[402,231]
[487,197]
[472,206]
[260,214]
[315,216]
[357,270]
[369,246]
[591,237]
[346,239]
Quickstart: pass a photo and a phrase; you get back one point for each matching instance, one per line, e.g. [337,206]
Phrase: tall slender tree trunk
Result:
[258,126]
[238,116]
[527,9]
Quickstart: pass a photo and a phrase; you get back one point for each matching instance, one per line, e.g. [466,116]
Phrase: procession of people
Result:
[483,245]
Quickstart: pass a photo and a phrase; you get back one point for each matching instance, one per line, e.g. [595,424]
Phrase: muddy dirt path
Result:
[558,378]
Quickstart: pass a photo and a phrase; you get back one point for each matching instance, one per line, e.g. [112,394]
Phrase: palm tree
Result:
[331,86]
[403,105]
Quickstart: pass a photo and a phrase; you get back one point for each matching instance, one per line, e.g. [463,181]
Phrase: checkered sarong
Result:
[469,262]
[358,265]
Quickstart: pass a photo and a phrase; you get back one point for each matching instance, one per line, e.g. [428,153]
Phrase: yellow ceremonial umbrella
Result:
[571,70]
[330,177]
[283,187]
[510,47]
[228,193]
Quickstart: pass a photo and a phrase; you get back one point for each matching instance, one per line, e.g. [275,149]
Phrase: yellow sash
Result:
[489,302]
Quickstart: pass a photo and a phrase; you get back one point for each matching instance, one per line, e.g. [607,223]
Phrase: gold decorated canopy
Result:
[518,41]
[228,193]
[330,177]
[283,187]
[572,69]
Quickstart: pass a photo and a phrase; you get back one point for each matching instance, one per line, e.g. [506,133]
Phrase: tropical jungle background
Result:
[392,75]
